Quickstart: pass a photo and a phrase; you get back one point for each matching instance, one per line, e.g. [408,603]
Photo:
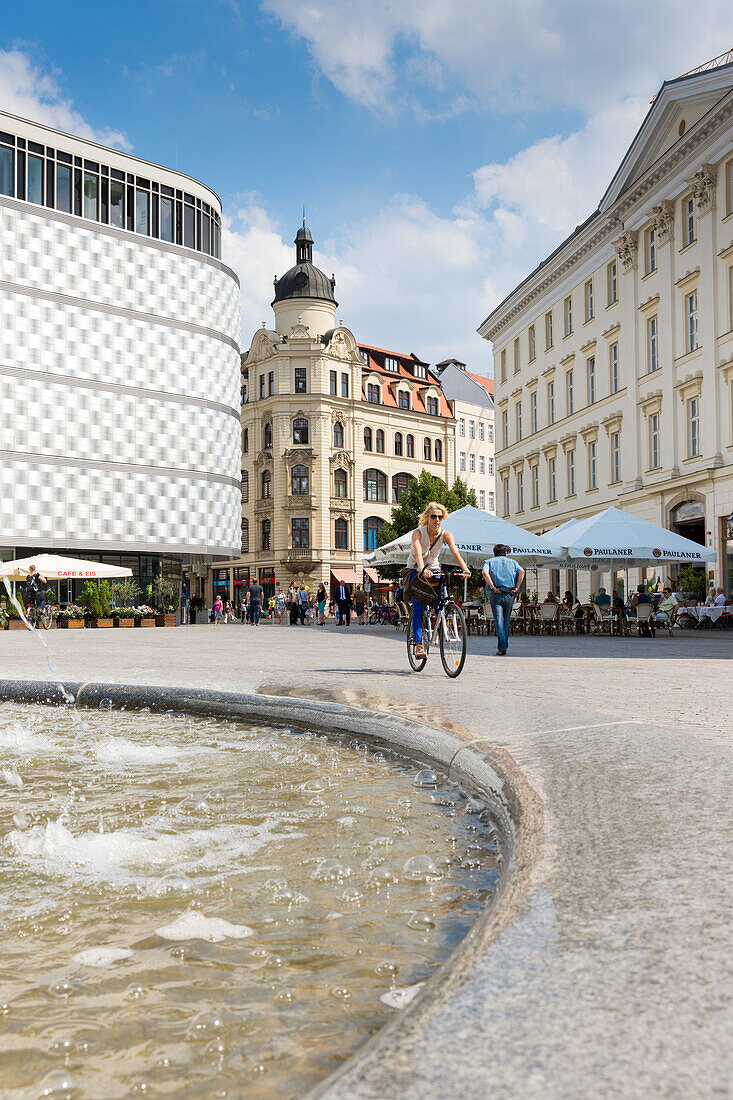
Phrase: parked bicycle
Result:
[446,622]
[40,618]
[384,615]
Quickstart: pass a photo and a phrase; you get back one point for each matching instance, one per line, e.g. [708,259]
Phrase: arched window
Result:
[338,434]
[398,443]
[340,484]
[367,439]
[267,437]
[245,441]
[265,539]
[266,485]
[438,451]
[300,430]
[380,441]
[375,485]
[372,532]
[245,486]
[341,530]
[245,536]
[299,480]
[400,485]
[427,449]
[410,446]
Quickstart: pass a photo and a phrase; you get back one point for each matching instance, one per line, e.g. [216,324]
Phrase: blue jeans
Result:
[417,614]
[501,609]
[255,608]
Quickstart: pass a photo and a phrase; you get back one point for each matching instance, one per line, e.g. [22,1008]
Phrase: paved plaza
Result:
[613,977]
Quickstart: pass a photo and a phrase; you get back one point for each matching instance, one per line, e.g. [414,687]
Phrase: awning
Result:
[346,576]
[372,575]
[54,567]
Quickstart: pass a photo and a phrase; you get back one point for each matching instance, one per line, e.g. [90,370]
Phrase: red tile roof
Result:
[487,383]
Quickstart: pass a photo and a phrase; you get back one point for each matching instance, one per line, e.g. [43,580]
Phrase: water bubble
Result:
[352,895]
[105,704]
[380,877]
[59,1085]
[313,786]
[341,993]
[259,952]
[63,1046]
[404,806]
[215,1049]
[331,870]
[284,997]
[174,883]
[61,989]
[135,992]
[420,922]
[216,796]
[284,894]
[194,804]
[425,778]
[274,960]
[386,969]
[179,952]
[382,842]
[141,1088]
[208,1025]
[421,869]
[372,861]
[474,806]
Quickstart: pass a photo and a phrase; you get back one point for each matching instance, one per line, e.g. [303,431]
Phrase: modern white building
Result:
[614,358]
[471,396]
[119,357]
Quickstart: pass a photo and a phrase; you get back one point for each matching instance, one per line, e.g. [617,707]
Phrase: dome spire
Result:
[303,244]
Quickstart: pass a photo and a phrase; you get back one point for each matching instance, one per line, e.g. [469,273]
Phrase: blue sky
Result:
[441,147]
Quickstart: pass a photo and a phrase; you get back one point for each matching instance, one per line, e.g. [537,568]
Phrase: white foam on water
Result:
[140,856]
[401,996]
[120,750]
[196,926]
[21,739]
[12,778]
[102,957]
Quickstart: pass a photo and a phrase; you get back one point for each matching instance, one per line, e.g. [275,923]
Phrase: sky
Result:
[441,148]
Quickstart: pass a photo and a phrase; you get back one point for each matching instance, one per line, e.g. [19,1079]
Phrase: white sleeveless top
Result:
[429,557]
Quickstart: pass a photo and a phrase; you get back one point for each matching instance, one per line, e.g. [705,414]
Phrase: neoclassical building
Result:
[613,360]
[472,400]
[332,433]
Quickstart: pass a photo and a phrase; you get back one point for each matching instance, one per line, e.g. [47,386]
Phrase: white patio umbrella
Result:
[614,539]
[55,567]
[475,533]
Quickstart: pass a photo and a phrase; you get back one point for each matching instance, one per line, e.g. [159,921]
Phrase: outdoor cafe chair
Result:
[488,617]
[644,621]
[602,622]
[549,618]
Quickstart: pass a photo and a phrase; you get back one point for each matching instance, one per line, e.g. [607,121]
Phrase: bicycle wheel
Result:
[374,618]
[452,639]
[47,618]
[417,663]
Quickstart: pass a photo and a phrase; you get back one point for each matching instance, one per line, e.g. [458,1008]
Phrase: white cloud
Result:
[527,54]
[30,93]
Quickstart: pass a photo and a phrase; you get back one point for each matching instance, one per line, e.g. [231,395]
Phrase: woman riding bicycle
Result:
[427,541]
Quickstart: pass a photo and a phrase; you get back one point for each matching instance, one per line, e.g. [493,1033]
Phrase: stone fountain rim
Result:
[479,766]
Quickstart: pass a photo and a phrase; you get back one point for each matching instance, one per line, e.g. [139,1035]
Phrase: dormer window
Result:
[392,364]
[365,356]
[420,371]
[431,404]
[403,399]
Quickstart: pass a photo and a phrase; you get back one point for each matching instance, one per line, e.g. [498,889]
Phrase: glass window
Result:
[300,379]
[344,385]
[63,188]
[571,473]
[518,411]
[367,439]
[245,441]
[91,196]
[481,464]
[300,529]
[426,449]
[491,467]
[520,491]
[591,372]
[503,365]
[410,446]
[517,357]
[270,383]
[482,499]
[505,486]
[438,451]
[462,461]
[380,441]
[245,486]
[592,468]
[265,539]
[693,427]
[341,532]
[654,453]
[338,434]
[300,430]
[142,212]
[433,406]
[403,399]
[550,402]
[472,429]
[189,227]
[166,218]
[568,313]
[505,427]
[35,179]
[615,456]
[570,389]
[117,205]
[472,463]
[490,431]
[340,484]
[267,437]
[552,478]
[333,382]
[691,316]
[612,281]
[7,157]
[400,485]
[391,364]
[372,532]
[266,485]
[589,300]
[398,443]
[533,411]
[375,485]
[651,251]
[481,429]
[245,538]
[548,331]
[535,486]
[262,387]
[613,363]
[461,426]
[652,343]
[531,344]
[373,394]
[300,481]
[688,227]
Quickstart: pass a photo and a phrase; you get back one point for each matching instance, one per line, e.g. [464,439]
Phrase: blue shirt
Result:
[503,571]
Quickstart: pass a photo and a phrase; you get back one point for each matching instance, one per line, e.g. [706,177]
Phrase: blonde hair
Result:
[433,504]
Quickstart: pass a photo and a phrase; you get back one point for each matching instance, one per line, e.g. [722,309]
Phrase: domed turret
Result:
[304,293]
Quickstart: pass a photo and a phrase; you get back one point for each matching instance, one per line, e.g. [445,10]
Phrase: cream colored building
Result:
[472,400]
[332,433]
[613,360]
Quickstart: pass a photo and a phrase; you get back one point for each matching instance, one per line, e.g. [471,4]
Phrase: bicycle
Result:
[40,617]
[446,620]
[383,615]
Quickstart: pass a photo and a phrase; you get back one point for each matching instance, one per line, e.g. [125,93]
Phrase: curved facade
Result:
[119,357]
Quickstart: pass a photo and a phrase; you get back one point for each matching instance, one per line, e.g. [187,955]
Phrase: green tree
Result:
[406,515]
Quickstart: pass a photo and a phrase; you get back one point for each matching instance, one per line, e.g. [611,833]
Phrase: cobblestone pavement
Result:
[615,977]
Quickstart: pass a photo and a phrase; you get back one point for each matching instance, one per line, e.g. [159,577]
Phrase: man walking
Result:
[256,595]
[503,578]
[302,602]
[343,600]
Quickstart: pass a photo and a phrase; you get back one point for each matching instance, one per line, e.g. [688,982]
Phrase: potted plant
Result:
[4,617]
[124,593]
[144,615]
[166,598]
[70,617]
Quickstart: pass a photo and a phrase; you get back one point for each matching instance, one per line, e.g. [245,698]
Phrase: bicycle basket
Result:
[424,589]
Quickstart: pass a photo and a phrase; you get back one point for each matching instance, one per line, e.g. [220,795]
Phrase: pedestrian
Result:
[321,599]
[218,610]
[359,602]
[343,599]
[256,596]
[228,613]
[503,578]
[280,605]
[302,600]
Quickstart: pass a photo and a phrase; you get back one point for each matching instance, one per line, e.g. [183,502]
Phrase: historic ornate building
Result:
[472,400]
[613,360]
[332,433]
